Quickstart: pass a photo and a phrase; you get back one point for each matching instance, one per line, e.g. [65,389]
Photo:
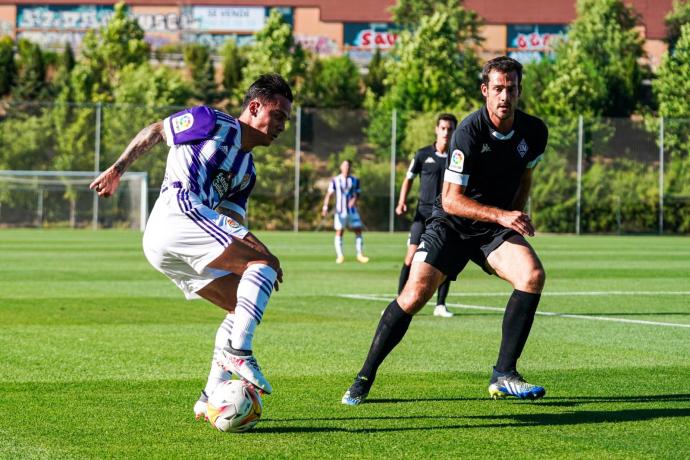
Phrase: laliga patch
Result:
[457,161]
[182,123]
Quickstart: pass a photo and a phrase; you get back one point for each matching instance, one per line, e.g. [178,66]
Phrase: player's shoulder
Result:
[424,152]
[532,124]
[190,125]
[473,122]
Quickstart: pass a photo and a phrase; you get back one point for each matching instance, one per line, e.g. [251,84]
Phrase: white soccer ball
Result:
[234,406]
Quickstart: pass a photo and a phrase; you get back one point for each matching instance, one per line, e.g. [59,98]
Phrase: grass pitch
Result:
[101,357]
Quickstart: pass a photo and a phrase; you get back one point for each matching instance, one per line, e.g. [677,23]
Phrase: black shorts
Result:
[448,251]
[417,228]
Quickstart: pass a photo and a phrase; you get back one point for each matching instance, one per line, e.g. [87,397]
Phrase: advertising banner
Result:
[529,43]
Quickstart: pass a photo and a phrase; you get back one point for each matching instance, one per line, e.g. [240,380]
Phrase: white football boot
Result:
[442,311]
[244,366]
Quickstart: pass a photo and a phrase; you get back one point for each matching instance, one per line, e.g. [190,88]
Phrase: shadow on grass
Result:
[436,422]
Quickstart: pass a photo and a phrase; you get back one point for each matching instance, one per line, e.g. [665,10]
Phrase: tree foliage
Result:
[8,67]
[675,19]
[374,80]
[197,58]
[234,61]
[274,50]
[430,70]
[333,82]
[31,81]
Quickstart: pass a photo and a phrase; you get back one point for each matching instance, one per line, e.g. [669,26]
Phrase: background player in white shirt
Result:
[347,190]
[196,234]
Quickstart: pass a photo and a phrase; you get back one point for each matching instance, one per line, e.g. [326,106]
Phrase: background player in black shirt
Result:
[478,217]
[429,163]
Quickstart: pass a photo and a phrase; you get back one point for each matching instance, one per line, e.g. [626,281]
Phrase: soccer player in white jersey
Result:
[347,190]
[196,233]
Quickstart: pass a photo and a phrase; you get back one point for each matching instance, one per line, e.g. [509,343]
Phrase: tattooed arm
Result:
[106,184]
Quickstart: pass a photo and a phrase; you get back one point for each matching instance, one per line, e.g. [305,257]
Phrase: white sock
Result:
[358,244]
[218,374]
[253,293]
[338,246]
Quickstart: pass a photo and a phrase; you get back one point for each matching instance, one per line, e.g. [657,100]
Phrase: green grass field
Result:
[101,356]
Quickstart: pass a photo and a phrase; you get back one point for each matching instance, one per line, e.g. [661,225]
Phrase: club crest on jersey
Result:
[245,181]
[232,223]
[522,148]
[223,181]
[457,161]
[182,123]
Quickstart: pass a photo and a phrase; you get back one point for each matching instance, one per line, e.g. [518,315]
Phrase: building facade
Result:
[521,28]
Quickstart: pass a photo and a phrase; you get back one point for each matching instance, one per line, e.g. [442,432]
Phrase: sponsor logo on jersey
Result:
[522,148]
[182,123]
[457,161]
[486,148]
[222,181]
[429,160]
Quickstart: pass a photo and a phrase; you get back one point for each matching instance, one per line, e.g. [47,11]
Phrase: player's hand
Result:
[324,211]
[518,221]
[401,209]
[106,184]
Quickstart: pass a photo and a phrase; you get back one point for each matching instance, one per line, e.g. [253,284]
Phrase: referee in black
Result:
[429,163]
[478,216]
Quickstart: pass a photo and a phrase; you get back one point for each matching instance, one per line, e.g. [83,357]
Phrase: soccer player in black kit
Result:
[478,217]
[429,163]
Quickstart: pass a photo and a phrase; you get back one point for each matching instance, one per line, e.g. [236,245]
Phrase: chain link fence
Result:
[616,176]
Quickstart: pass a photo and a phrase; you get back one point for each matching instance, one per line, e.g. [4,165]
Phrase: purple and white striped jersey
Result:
[344,188]
[205,159]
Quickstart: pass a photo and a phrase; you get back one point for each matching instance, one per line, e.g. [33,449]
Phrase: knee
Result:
[534,280]
[413,298]
[267,259]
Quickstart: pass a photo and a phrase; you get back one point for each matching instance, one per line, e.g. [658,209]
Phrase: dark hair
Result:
[503,64]
[266,87]
[447,117]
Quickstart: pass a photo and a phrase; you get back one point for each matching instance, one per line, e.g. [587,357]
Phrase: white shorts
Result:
[181,244]
[349,219]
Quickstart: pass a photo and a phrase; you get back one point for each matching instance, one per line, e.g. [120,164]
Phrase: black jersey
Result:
[490,164]
[430,165]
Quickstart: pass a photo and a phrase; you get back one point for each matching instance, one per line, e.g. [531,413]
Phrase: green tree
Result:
[275,50]
[407,13]
[374,80]
[65,64]
[8,67]
[234,61]
[671,88]
[31,76]
[429,71]
[197,58]
[333,82]
[675,19]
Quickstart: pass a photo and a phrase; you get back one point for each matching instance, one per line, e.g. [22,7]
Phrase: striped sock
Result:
[253,293]
[217,373]
[359,242]
[338,245]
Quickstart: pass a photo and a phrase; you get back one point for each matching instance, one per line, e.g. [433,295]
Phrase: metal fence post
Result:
[97,163]
[579,174]
[661,176]
[391,210]
[298,154]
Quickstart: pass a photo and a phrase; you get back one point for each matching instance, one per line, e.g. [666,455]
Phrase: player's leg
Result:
[338,240]
[440,308]
[396,318]
[359,245]
[221,293]
[415,237]
[249,298]
[516,262]
[405,270]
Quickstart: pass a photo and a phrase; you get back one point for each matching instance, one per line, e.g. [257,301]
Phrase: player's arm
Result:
[414,169]
[327,198]
[107,182]
[455,202]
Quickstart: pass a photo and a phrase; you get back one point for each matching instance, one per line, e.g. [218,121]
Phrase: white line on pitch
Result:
[542,313]
[574,293]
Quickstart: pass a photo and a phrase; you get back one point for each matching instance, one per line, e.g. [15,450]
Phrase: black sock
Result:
[443,292]
[404,274]
[390,331]
[517,322]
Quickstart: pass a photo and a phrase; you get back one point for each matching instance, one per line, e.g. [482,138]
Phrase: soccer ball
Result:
[234,406]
